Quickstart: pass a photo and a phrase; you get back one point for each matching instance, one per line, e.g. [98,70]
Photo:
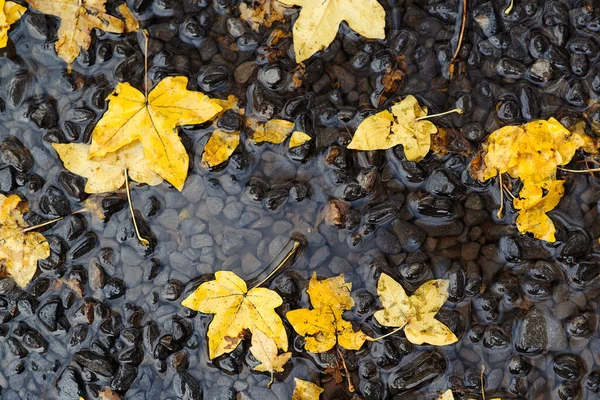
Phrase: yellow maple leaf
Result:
[130,118]
[219,148]
[401,126]
[78,18]
[319,21]
[106,174]
[298,139]
[19,250]
[264,349]
[305,390]
[262,13]
[10,12]
[236,309]
[532,152]
[533,206]
[415,313]
[274,131]
[324,326]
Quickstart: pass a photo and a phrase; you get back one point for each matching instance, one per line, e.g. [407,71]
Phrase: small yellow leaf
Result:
[274,131]
[319,21]
[131,23]
[265,350]
[219,148]
[402,126]
[305,390]
[19,251]
[416,313]
[130,118]
[78,18]
[236,309]
[106,174]
[533,207]
[324,326]
[10,12]
[298,139]
[532,153]
[447,395]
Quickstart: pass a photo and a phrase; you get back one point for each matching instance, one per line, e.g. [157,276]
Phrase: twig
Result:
[508,10]
[137,231]
[290,254]
[461,35]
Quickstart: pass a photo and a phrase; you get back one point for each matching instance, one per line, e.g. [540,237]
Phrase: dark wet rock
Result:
[519,365]
[126,375]
[166,346]
[538,332]
[114,288]
[13,153]
[568,366]
[509,68]
[186,387]
[382,213]
[387,242]
[419,372]
[33,340]
[16,348]
[97,363]
[54,202]
[486,19]
[73,185]
[442,184]
[436,228]
[410,236]
[7,179]
[84,246]
[49,314]
[69,384]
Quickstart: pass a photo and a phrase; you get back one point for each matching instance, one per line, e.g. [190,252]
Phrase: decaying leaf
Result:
[236,309]
[324,326]
[319,21]
[274,131]
[298,139]
[415,313]
[265,350]
[262,13]
[220,147]
[447,395]
[78,18]
[305,390]
[131,118]
[531,152]
[19,251]
[106,174]
[10,12]
[401,126]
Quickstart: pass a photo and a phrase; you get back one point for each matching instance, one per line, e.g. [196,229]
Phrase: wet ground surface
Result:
[105,311]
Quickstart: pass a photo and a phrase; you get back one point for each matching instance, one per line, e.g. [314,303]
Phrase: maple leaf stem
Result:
[499,214]
[580,171]
[481,379]
[348,377]
[456,110]
[296,245]
[375,339]
[145,66]
[137,231]
[508,10]
[271,381]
